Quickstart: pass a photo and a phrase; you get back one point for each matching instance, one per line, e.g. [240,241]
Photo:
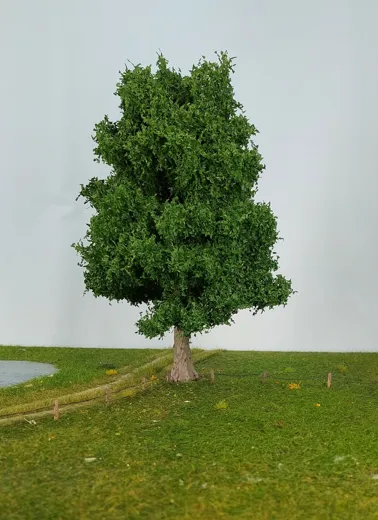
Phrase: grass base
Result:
[245,447]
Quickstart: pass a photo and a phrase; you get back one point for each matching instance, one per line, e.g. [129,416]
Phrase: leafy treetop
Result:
[175,224]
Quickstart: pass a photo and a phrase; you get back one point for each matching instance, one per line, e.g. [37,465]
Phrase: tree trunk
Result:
[183,368]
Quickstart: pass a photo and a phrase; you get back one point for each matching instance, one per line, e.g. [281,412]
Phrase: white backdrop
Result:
[306,73]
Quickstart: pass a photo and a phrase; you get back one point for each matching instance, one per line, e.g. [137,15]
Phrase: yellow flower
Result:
[111,372]
[317,404]
[294,386]
[153,378]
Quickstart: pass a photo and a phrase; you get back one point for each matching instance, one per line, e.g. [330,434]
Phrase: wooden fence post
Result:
[56,410]
[264,376]
[329,380]
[212,377]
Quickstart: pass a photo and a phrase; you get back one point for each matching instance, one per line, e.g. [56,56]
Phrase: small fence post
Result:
[144,383]
[329,380]
[264,376]
[56,410]
[212,377]
[107,395]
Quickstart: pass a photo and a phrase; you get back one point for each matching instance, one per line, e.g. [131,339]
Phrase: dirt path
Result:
[125,385]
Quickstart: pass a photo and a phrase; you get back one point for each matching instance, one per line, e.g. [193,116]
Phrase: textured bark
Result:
[183,368]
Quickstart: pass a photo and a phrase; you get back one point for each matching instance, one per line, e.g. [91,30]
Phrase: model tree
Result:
[176,226]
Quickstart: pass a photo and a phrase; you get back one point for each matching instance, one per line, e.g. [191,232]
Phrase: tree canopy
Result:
[176,225]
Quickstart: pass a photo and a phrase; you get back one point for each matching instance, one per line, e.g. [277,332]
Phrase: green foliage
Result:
[175,224]
[342,368]
[288,370]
